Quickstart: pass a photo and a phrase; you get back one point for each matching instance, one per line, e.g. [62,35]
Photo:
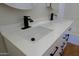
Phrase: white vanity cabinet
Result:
[57,48]
[3,49]
[12,50]
[55,45]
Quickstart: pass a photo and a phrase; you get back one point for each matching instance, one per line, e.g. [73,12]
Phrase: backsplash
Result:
[10,15]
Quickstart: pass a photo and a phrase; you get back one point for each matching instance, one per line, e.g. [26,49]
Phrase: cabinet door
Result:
[3,50]
[12,50]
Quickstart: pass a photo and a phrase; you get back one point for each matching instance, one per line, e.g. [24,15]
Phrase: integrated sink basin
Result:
[34,33]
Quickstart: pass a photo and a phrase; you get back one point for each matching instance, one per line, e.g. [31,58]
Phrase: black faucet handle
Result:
[26,16]
[31,20]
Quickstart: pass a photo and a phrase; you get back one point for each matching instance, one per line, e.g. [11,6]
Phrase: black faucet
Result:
[26,22]
[52,16]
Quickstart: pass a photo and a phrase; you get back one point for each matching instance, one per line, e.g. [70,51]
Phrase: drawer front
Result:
[60,43]
[51,52]
[53,49]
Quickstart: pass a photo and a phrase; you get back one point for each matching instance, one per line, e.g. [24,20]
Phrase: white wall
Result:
[72,12]
[39,10]
[10,15]
[58,8]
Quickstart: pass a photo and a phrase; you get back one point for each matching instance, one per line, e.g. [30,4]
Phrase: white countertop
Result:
[40,47]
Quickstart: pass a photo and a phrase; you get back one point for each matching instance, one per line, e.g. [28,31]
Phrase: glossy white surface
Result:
[40,47]
[35,32]
[22,6]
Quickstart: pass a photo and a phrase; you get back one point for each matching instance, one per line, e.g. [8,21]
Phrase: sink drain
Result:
[32,39]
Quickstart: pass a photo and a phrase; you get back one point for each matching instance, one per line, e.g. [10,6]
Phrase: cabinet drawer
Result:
[59,43]
[52,49]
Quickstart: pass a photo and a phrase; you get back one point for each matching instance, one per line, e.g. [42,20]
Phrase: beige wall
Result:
[10,15]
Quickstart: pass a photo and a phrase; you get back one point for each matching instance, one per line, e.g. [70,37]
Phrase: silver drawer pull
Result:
[66,37]
[63,45]
[51,54]
[69,29]
[62,52]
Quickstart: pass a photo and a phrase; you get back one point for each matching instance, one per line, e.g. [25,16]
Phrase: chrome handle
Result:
[69,29]
[66,37]
[62,52]
[51,54]
[63,45]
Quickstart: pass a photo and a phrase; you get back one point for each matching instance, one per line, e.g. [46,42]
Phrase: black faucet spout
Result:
[26,22]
